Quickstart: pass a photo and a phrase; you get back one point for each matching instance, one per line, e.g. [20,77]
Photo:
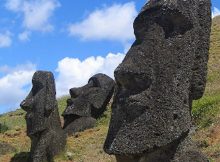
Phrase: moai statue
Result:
[43,121]
[162,73]
[87,103]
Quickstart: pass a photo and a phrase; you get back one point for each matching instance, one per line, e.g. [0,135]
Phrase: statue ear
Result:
[50,99]
[198,81]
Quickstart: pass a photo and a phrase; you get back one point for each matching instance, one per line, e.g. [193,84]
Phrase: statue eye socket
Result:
[174,23]
[133,82]
[94,82]
[37,86]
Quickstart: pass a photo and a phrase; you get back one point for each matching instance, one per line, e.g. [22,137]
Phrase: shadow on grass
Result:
[3,128]
[6,148]
[20,157]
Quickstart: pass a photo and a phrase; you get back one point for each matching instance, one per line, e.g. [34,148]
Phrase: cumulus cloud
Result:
[5,69]
[5,39]
[73,73]
[36,13]
[109,23]
[14,85]
[216,12]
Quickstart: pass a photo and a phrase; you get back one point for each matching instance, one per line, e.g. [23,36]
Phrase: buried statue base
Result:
[42,118]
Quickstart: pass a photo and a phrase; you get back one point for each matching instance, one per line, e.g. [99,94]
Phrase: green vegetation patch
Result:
[206,110]
[13,120]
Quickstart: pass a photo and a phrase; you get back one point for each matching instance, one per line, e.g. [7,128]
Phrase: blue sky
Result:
[73,39]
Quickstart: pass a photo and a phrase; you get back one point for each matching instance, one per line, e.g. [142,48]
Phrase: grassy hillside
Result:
[87,146]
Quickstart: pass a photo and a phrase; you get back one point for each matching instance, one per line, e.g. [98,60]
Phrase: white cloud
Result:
[73,73]
[36,13]
[5,39]
[13,5]
[215,12]
[5,69]
[24,36]
[14,86]
[112,23]
[15,83]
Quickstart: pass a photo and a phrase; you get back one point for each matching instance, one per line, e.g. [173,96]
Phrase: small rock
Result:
[69,155]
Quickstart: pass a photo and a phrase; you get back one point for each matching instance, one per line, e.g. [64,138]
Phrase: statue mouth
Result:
[26,106]
[68,119]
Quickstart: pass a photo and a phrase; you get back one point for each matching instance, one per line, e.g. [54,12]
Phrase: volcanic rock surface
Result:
[88,103]
[42,118]
[162,73]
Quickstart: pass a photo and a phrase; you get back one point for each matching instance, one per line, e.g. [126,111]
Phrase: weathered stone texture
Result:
[43,121]
[87,103]
[162,73]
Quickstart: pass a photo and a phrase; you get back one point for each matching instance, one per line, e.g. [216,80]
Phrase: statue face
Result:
[156,72]
[28,103]
[39,102]
[153,98]
[78,105]
[89,100]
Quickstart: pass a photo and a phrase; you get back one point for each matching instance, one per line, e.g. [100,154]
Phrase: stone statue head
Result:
[40,102]
[164,70]
[42,118]
[89,100]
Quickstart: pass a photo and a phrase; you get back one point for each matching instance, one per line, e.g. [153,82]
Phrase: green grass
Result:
[3,128]
[104,119]
[206,110]
[14,119]
[62,103]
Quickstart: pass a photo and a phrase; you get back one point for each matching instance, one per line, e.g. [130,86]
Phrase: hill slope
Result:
[87,146]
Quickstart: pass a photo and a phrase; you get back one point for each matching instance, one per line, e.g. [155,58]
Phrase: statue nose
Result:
[22,104]
[75,92]
[69,102]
